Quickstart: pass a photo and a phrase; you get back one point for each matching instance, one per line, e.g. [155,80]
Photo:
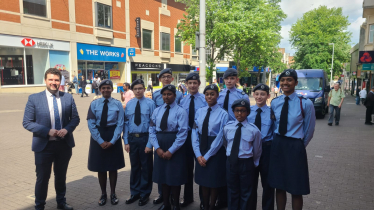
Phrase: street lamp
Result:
[332,62]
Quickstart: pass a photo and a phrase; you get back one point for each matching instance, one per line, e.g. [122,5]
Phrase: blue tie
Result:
[57,115]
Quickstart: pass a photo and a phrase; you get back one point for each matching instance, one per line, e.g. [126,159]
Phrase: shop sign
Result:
[367,66]
[115,74]
[138,27]
[27,42]
[366,56]
[131,52]
[100,53]
[35,43]
[354,73]
[146,66]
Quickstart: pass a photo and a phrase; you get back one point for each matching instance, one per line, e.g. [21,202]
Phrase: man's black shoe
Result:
[113,199]
[158,200]
[220,204]
[336,123]
[185,203]
[163,207]
[102,200]
[64,206]
[143,200]
[202,206]
[369,123]
[132,199]
[330,124]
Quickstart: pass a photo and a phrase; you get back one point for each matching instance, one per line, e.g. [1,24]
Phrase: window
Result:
[194,52]
[208,53]
[165,41]
[147,39]
[371,34]
[178,44]
[35,7]
[104,15]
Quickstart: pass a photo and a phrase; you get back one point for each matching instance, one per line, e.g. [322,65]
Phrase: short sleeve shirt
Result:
[336,97]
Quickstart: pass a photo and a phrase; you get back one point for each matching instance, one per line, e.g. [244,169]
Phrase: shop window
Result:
[178,44]
[165,41]
[104,15]
[147,39]
[155,81]
[12,70]
[371,34]
[36,64]
[35,7]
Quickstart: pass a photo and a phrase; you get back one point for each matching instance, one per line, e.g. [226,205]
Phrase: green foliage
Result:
[275,63]
[311,35]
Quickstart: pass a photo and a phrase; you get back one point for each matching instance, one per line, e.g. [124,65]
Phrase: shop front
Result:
[24,60]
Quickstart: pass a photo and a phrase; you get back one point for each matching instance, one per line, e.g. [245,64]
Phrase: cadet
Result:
[288,167]
[243,149]
[138,113]
[260,116]
[228,95]
[191,103]
[207,141]
[165,77]
[105,121]
[168,133]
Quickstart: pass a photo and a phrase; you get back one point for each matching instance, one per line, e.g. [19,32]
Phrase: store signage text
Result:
[148,65]
[100,53]
[137,28]
[27,42]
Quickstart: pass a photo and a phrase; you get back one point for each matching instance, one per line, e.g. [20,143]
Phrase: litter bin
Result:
[89,88]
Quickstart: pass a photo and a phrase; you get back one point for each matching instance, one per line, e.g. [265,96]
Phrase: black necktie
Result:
[235,145]
[138,118]
[284,118]
[226,103]
[258,118]
[164,120]
[204,130]
[191,112]
[104,114]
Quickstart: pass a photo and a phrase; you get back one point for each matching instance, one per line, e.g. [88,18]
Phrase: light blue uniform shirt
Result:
[115,117]
[217,120]
[234,95]
[157,97]
[267,125]
[297,126]
[147,106]
[199,102]
[250,142]
[177,122]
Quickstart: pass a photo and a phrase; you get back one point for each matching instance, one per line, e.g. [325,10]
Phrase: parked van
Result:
[313,84]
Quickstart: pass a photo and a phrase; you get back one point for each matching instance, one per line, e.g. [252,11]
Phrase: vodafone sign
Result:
[28,42]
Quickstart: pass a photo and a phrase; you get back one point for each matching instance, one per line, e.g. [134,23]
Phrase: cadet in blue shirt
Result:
[191,103]
[207,141]
[260,116]
[243,149]
[294,127]
[138,113]
[228,95]
[168,133]
[105,121]
[165,77]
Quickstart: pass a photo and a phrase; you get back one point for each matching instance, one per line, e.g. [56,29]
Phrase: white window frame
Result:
[97,15]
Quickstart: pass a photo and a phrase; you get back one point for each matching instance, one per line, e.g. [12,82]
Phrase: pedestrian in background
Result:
[363,95]
[358,95]
[95,84]
[62,86]
[369,103]
[336,98]
[148,94]
[150,85]
[276,91]
[83,84]
[75,82]
[127,95]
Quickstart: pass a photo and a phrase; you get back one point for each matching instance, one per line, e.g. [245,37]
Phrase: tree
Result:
[311,35]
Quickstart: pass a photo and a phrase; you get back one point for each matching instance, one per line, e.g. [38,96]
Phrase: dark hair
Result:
[126,84]
[52,71]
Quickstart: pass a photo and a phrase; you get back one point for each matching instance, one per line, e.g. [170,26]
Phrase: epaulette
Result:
[242,92]
[230,122]
[274,98]
[253,125]
[156,91]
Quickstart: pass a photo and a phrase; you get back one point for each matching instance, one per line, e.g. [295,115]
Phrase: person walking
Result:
[83,84]
[276,91]
[150,85]
[95,84]
[335,102]
[363,95]
[52,117]
[105,122]
[369,103]
[75,82]
[358,95]
[127,95]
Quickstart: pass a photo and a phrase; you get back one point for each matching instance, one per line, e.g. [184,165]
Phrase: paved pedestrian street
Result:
[340,164]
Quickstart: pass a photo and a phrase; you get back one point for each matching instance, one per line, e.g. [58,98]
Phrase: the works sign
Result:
[366,57]
[100,53]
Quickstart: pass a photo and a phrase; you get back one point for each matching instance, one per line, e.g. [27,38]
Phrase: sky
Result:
[296,8]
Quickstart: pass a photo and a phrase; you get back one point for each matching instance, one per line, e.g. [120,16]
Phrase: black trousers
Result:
[141,166]
[240,178]
[58,154]
[84,91]
[190,161]
[263,170]
[369,111]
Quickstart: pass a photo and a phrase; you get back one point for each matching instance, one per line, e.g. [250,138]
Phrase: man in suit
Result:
[369,103]
[52,117]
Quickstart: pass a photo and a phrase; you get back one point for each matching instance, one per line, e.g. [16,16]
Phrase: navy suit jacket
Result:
[37,119]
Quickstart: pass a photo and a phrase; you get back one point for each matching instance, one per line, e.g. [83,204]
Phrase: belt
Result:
[137,135]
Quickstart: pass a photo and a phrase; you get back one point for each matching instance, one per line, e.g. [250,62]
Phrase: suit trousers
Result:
[58,154]
[190,160]
[369,111]
[141,166]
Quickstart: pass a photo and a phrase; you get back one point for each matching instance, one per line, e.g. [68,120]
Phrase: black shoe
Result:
[202,206]
[185,203]
[143,200]
[220,204]
[336,123]
[369,123]
[102,200]
[113,199]
[132,199]
[163,207]
[64,206]
[330,124]
[158,200]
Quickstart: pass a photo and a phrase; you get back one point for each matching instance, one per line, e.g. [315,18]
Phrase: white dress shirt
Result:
[51,110]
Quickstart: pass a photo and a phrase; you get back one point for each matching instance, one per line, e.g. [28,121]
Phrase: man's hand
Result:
[127,148]
[147,150]
[167,155]
[201,162]
[52,132]
[108,145]
[328,104]
[62,133]
[160,153]
[104,145]
[340,106]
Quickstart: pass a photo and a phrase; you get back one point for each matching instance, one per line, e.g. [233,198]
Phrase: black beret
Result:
[261,86]
[169,87]
[165,71]
[230,72]
[193,76]
[106,82]
[211,87]
[241,103]
[136,82]
[289,73]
